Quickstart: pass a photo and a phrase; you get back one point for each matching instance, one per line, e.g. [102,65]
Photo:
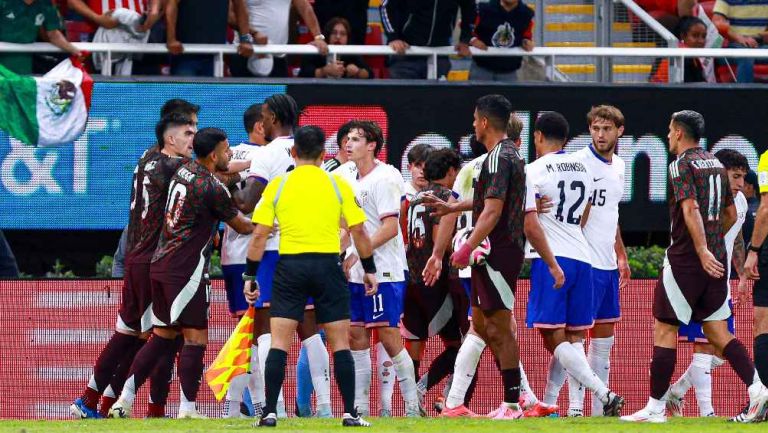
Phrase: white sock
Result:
[599,358]
[464,369]
[236,387]
[386,376]
[701,377]
[256,379]
[319,365]
[109,392]
[406,377]
[187,406]
[656,406]
[526,387]
[129,391]
[362,360]
[555,380]
[575,388]
[683,384]
[576,365]
[265,343]
[717,362]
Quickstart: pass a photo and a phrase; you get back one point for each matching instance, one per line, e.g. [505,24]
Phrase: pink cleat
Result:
[457,412]
[505,412]
[540,410]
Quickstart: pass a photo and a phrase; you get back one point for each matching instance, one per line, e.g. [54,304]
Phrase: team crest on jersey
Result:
[504,36]
[363,200]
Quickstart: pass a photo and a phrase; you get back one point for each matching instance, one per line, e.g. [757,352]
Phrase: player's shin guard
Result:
[464,369]
[149,357]
[576,365]
[319,366]
[736,355]
[555,380]
[406,377]
[362,361]
[344,370]
[599,358]
[190,373]
[761,356]
[575,388]
[386,376]
[662,368]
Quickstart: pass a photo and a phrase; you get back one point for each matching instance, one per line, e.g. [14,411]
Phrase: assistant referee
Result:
[309,205]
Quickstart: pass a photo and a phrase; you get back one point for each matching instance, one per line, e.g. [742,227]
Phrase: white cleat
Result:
[190,414]
[758,405]
[675,404]
[645,415]
[120,409]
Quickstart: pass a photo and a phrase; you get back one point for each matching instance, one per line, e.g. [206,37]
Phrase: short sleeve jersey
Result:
[565,179]
[464,188]
[696,174]
[149,192]
[19,23]
[421,225]
[234,246]
[197,201]
[600,230]
[730,237]
[762,172]
[502,177]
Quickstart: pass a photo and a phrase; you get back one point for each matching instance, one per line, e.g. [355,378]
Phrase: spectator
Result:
[668,12]
[424,23]
[272,18]
[744,24]
[351,66]
[354,11]
[19,23]
[692,34]
[751,191]
[202,22]
[501,24]
[94,13]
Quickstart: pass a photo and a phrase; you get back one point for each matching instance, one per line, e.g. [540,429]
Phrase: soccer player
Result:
[699,373]
[279,117]
[308,204]
[197,201]
[148,192]
[692,286]
[341,155]
[429,308]
[378,189]
[234,247]
[610,270]
[562,314]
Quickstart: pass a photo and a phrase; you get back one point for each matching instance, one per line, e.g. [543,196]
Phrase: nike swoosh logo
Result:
[595,179]
[375,316]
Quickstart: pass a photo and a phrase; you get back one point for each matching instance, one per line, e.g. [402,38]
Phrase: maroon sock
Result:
[155,410]
[191,370]
[441,366]
[154,352]
[511,380]
[161,377]
[470,390]
[106,404]
[105,367]
[662,368]
[121,372]
[738,357]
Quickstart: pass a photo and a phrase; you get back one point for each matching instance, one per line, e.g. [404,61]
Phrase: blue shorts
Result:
[693,332]
[605,285]
[233,283]
[264,277]
[380,310]
[467,284]
[570,306]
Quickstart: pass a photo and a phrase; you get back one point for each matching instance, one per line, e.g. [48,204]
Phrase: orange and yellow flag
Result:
[234,358]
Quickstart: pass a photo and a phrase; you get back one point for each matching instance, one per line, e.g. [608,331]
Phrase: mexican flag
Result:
[47,111]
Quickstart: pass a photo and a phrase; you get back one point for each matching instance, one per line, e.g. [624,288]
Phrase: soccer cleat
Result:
[540,410]
[270,420]
[324,411]
[645,415]
[575,412]
[492,414]
[675,404]
[120,409]
[258,410]
[457,412]
[385,413]
[505,412]
[614,405]
[439,404]
[354,421]
[758,405]
[414,410]
[527,401]
[80,411]
[193,414]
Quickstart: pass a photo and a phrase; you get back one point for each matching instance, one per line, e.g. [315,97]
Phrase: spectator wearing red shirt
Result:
[501,24]
[668,12]
[98,12]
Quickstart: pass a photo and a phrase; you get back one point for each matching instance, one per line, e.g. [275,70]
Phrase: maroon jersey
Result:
[697,174]
[502,177]
[421,227]
[148,195]
[197,201]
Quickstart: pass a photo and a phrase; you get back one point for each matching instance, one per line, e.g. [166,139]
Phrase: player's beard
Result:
[609,150]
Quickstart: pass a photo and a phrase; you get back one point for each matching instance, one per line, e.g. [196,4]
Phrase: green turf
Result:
[397,425]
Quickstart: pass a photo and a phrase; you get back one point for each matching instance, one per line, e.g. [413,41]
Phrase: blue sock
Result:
[304,386]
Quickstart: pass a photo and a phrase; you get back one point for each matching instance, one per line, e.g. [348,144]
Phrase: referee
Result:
[309,204]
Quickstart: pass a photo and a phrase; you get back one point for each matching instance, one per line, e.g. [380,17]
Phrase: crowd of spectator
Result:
[432,23]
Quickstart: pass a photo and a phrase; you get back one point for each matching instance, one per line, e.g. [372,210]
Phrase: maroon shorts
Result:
[135,314]
[689,294]
[429,311]
[493,284]
[180,302]
[461,308]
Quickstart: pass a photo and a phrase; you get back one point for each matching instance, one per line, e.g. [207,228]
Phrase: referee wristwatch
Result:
[753,248]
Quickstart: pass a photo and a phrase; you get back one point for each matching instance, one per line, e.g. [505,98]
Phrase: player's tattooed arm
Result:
[246,198]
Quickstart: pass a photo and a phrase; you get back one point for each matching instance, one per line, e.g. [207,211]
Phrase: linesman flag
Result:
[51,110]
[234,358]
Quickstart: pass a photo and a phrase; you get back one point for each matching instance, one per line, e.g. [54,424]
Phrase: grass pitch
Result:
[384,425]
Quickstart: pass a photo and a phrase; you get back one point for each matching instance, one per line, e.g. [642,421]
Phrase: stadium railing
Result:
[549,54]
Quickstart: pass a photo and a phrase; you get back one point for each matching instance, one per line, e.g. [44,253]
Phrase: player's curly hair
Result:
[371,131]
[732,160]
[606,112]
[284,108]
[439,161]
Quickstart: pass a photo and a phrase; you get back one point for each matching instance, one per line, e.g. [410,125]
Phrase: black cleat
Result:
[270,420]
[354,421]
[614,405]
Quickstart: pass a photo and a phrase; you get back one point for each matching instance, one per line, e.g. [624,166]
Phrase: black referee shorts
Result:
[760,289]
[299,276]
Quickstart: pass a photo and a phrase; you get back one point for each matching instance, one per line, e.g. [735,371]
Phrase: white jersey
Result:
[379,194]
[603,222]
[271,161]
[566,180]
[741,213]
[409,191]
[464,188]
[234,246]
[270,17]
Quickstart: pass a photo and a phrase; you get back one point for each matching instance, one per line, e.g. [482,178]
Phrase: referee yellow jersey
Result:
[308,204]
[762,172]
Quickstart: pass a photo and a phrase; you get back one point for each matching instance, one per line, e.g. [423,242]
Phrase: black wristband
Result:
[751,247]
[251,266]
[369,266]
